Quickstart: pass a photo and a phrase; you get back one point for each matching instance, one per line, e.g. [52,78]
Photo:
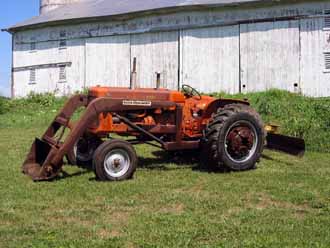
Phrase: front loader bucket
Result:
[290,145]
[37,156]
[45,159]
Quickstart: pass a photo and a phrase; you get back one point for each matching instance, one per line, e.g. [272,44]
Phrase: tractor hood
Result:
[137,94]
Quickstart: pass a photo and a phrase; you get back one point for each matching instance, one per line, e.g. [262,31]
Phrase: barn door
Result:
[156,53]
[210,59]
[108,61]
[270,56]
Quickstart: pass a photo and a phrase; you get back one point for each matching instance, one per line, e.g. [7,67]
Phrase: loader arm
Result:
[42,150]
[45,159]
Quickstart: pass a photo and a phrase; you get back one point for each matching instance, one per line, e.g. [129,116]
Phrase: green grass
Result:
[285,202]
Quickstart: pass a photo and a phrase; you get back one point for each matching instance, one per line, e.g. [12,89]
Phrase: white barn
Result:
[213,45]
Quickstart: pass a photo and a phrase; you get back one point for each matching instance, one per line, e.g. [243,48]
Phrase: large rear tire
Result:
[115,160]
[235,139]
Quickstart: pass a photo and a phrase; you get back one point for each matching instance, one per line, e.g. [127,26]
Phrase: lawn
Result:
[285,202]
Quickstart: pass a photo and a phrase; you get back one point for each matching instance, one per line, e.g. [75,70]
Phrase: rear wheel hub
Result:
[241,141]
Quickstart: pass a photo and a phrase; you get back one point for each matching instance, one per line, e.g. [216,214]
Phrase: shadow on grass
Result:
[164,160]
[182,160]
[161,161]
[65,175]
[279,161]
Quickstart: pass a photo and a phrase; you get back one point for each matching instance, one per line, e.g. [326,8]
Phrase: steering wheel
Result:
[189,91]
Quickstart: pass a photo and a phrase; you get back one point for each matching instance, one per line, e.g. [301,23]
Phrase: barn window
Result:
[62,33]
[62,73]
[62,44]
[327,18]
[327,61]
[33,47]
[32,79]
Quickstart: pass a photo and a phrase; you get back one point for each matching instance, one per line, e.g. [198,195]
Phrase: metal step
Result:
[63,121]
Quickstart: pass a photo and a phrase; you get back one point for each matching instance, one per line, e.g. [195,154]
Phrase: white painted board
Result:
[210,59]
[315,42]
[156,53]
[270,56]
[108,61]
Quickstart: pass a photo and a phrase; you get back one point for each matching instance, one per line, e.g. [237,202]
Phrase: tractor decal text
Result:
[136,103]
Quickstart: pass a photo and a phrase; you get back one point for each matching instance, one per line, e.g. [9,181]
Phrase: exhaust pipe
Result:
[158,80]
[133,75]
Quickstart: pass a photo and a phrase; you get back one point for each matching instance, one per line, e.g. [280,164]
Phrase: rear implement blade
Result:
[290,145]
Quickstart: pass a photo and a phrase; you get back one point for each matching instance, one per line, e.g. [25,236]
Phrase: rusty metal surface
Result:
[140,129]
[240,141]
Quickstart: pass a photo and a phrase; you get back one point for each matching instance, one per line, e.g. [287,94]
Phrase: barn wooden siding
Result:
[107,61]
[210,59]
[270,54]
[315,50]
[287,54]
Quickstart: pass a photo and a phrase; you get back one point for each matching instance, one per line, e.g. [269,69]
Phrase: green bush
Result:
[36,110]
[3,105]
[43,100]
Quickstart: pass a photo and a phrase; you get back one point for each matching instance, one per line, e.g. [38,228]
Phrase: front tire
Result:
[235,138]
[115,160]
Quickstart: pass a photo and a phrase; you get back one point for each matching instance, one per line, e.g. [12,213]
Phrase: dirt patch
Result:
[6,223]
[107,234]
[233,211]
[119,218]
[196,190]
[69,220]
[57,216]
[173,209]
[116,220]
[266,202]
[130,245]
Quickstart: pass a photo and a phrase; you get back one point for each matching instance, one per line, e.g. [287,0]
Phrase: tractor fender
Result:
[213,106]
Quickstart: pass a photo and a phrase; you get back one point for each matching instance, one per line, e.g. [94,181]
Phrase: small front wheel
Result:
[115,160]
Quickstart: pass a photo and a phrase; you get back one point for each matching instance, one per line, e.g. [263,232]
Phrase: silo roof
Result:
[96,9]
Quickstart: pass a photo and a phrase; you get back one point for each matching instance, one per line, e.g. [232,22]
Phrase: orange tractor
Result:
[226,132]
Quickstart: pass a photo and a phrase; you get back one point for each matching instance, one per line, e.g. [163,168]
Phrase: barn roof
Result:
[95,9]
